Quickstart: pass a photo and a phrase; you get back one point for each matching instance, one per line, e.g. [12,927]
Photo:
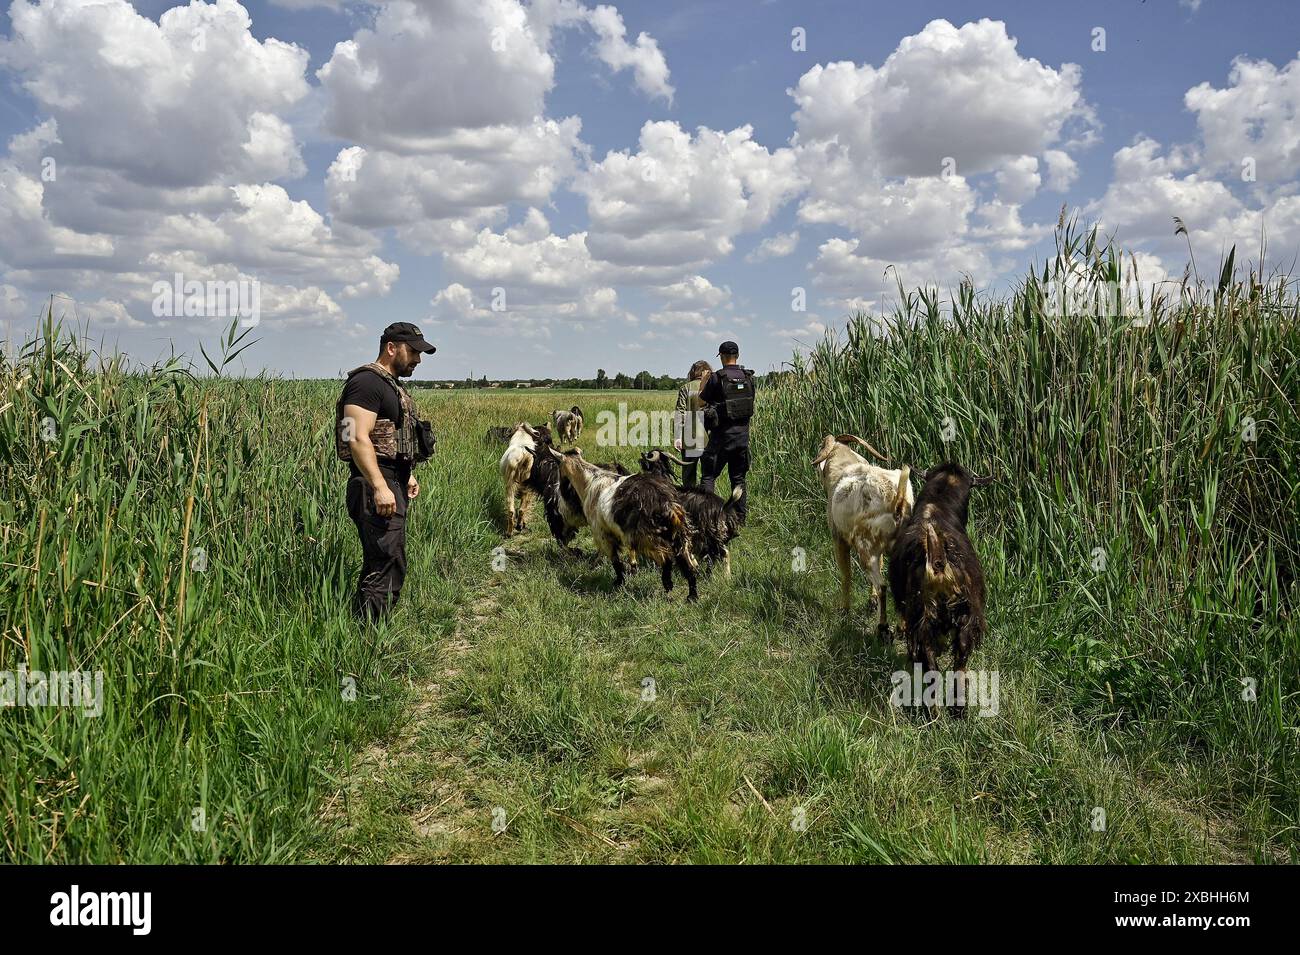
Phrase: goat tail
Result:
[900,497]
[936,562]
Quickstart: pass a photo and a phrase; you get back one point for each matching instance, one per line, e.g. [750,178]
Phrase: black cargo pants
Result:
[717,455]
[383,548]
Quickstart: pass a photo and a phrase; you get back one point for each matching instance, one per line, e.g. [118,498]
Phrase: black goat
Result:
[714,523]
[935,575]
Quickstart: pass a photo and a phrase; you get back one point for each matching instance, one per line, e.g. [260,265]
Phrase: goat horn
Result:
[823,456]
[847,438]
[676,460]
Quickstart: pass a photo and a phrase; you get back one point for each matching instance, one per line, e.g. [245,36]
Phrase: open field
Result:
[523,712]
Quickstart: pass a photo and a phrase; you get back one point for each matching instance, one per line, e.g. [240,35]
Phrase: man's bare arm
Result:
[363,454]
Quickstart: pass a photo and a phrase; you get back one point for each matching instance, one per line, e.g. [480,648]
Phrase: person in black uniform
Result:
[728,445]
[375,434]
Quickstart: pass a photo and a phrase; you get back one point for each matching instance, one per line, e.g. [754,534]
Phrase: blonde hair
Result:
[701,370]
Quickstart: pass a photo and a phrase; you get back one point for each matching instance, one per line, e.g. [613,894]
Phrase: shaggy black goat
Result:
[640,513]
[935,576]
[714,522]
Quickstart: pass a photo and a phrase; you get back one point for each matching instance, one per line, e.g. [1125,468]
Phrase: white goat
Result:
[516,465]
[865,507]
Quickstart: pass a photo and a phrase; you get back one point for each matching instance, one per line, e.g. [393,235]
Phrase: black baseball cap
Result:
[728,348]
[407,333]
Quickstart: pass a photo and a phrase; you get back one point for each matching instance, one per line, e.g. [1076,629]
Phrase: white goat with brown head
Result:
[865,507]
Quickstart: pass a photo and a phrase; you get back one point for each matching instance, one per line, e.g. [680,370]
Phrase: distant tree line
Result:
[642,381]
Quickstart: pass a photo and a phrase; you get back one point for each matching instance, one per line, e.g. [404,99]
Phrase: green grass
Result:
[522,694]
[224,686]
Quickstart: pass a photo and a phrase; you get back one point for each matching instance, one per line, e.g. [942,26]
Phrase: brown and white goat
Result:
[935,575]
[865,506]
[516,466]
[715,523]
[639,513]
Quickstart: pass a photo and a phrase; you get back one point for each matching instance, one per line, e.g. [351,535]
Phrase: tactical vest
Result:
[393,440]
[737,403]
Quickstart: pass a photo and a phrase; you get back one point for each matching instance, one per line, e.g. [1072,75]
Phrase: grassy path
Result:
[564,723]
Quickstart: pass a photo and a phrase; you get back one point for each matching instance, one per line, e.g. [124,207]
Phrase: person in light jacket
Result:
[688,428]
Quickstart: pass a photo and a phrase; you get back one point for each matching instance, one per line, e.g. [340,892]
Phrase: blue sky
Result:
[630,185]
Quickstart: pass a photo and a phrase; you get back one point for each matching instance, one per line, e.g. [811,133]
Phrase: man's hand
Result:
[412,487]
[677,443]
[385,501]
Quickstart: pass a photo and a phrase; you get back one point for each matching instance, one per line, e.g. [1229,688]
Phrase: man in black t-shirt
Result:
[373,411]
[728,445]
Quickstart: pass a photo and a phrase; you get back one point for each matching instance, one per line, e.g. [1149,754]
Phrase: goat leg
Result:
[619,574]
[668,575]
[846,573]
[966,639]
[684,565]
[882,628]
[962,690]
[920,649]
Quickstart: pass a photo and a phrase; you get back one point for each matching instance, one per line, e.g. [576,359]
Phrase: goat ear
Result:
[981,480]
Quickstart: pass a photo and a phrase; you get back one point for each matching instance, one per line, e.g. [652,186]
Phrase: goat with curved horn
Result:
[854,439]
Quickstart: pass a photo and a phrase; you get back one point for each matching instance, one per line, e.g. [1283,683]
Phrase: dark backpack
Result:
[737,403]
